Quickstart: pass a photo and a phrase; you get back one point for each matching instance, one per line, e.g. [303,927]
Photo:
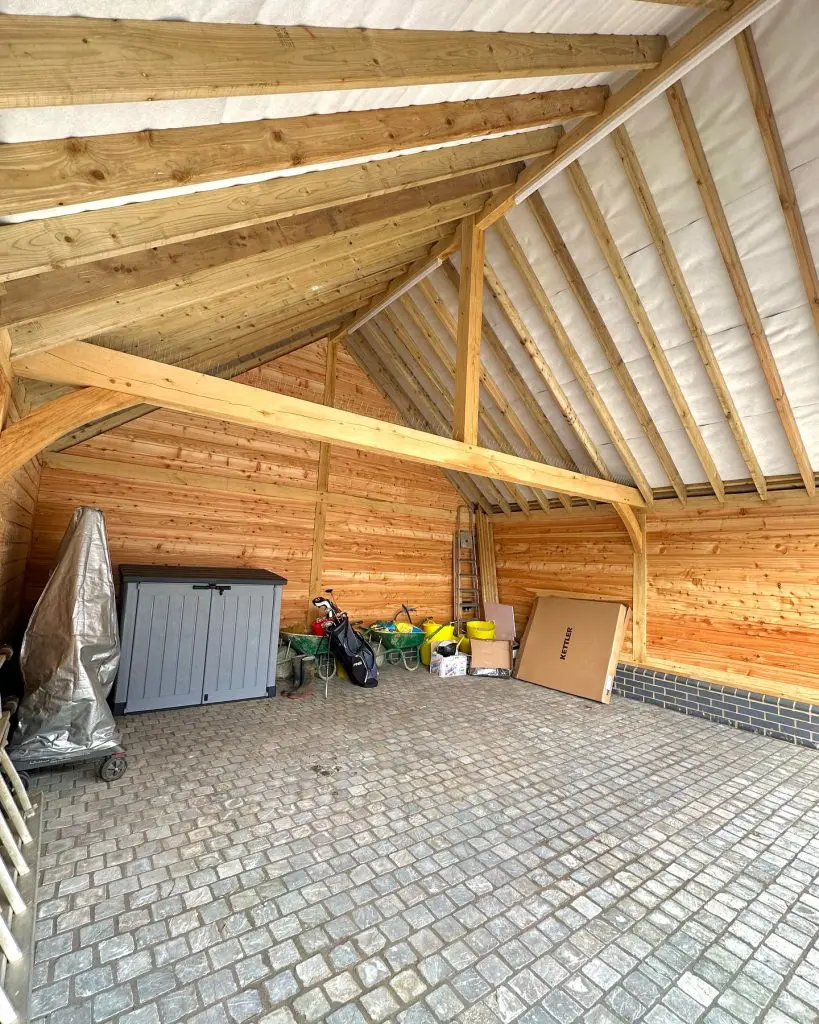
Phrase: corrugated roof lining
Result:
[725,119]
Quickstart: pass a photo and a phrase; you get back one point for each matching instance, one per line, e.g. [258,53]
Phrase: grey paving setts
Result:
[433,850]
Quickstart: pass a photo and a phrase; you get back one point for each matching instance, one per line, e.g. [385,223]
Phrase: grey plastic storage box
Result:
[193,635]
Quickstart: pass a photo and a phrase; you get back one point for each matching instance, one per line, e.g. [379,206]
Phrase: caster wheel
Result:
[25,779]
[113,767]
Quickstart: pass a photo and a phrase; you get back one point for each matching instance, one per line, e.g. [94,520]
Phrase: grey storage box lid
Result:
[187,573]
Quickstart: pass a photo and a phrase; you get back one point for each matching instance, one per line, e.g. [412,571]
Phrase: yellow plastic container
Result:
[478,630]
[436,632]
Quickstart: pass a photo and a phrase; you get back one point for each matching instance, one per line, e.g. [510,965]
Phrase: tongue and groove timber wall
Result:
[158,479]
[18,496]
[733,593]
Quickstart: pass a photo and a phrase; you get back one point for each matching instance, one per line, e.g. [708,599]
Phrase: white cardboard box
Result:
[454,665]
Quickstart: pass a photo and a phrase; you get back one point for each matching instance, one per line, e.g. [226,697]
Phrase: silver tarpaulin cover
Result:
[70,652]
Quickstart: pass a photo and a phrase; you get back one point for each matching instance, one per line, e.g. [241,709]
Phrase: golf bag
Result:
[347,646]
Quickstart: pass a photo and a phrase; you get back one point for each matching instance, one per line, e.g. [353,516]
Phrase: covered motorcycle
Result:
[347,646]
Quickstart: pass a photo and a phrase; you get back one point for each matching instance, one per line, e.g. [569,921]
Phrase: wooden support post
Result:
[6,375]
[639,594]
[322,481]
[468,355]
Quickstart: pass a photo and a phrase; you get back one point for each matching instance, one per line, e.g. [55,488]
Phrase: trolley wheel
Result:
[25,778]
[113,767]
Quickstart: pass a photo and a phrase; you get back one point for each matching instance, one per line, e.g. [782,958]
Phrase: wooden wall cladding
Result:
[384,563]
[375,559]
[581,556]
[18,496]
[733,594]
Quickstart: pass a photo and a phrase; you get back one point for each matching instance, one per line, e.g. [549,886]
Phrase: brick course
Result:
[779,717]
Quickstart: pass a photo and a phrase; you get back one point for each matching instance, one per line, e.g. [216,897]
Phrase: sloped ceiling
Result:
[728,129]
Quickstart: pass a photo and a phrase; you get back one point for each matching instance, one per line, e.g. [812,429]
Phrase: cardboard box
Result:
[454,665]
[503,615]
[573,646]
[491,658]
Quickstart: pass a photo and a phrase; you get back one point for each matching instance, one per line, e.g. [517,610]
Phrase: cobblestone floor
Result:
[434,850]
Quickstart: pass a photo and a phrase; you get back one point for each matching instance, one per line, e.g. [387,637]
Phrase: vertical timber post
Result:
[322,481]
[468,354]
[6,375]
[639,595]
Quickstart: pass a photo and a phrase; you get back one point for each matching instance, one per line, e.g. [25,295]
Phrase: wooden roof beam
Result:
[708,35]
[676,279]
[225,349]
[26,438]
[49,61]
[274,349]
[714,30]
[777,161]
[224,323]
[81,364]
[37,246]
[120,308]
[601,332]
[51,173]
[645,328]
[722,232]
[33,298]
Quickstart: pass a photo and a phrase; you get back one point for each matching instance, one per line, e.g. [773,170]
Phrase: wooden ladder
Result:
[466,583]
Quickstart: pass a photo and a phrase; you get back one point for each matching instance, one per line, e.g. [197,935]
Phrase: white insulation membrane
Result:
[719,99]
[786,39]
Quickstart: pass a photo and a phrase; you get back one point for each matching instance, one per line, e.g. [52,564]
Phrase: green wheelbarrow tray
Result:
[394,641]
[314,646]
[399,648]
[307,643]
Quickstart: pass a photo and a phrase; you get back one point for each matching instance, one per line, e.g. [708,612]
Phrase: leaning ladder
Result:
[466,584]
[20,841]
